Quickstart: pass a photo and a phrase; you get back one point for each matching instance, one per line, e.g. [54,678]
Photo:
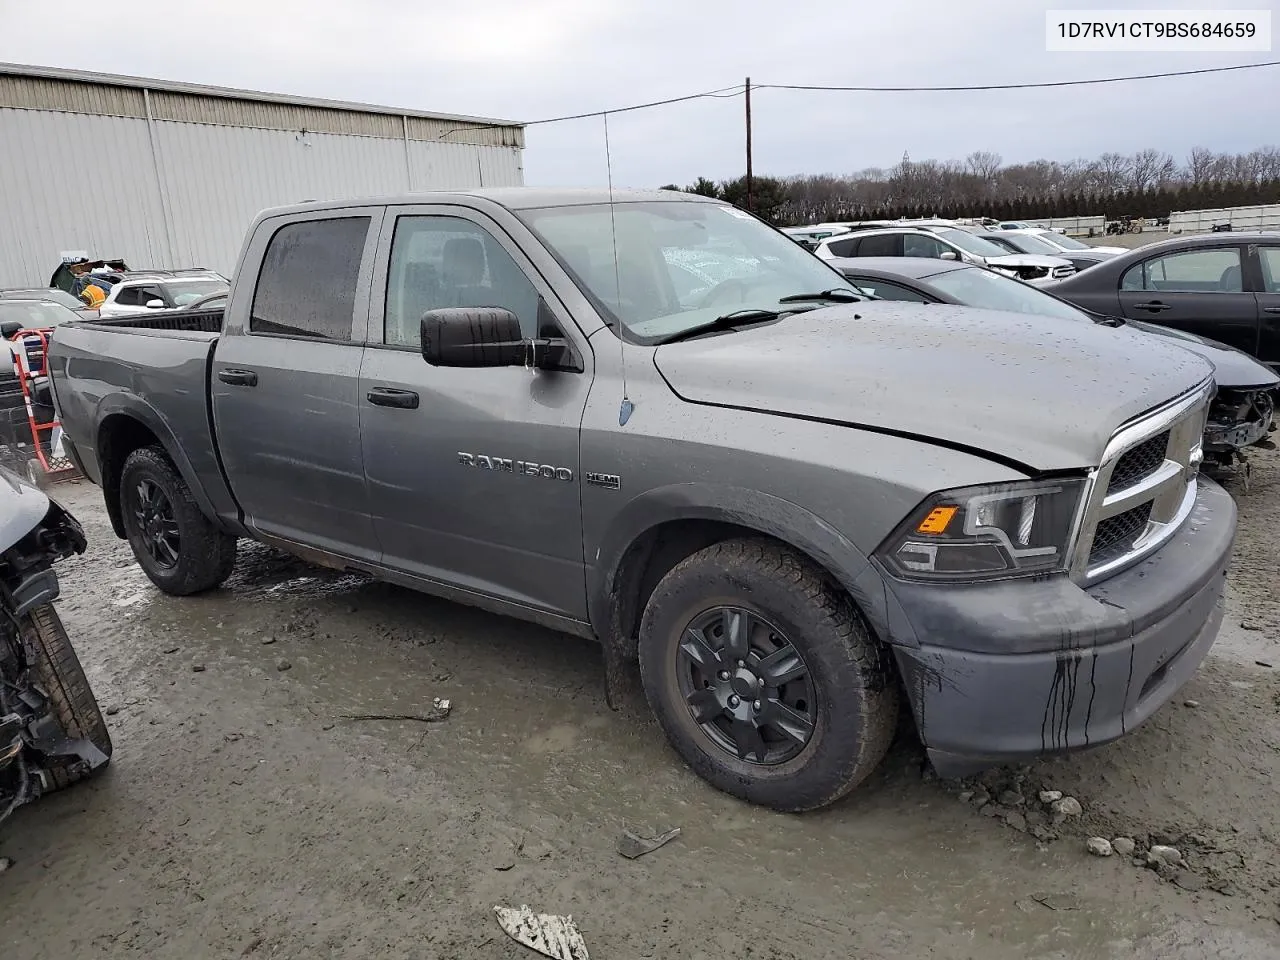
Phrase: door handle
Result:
[1271,309]
[238,378]
[390,397]
[1155,306]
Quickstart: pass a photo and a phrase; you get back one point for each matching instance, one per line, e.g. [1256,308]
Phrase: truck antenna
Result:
[624,410]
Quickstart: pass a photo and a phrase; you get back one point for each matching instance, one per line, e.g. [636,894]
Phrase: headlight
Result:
[982,533]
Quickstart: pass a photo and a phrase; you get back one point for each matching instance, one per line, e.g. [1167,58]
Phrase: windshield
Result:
[975,287]
[52,295]
[680,264]
[1069,243]
[33,314]
[183,292]
[1031,244]
[971,244]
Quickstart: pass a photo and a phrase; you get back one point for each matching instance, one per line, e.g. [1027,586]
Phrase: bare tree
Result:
[984,164]
[1112,171]
[1200,163]
[1150,168]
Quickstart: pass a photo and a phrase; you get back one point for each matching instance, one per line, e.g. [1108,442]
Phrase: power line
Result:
[723,92]
[1017,86]
[737,90]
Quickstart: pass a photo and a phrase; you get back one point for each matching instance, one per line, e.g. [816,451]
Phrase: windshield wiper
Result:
[838,294]
[728,321]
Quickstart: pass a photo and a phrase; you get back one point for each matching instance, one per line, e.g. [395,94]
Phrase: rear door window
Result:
[881,245]
[307,286]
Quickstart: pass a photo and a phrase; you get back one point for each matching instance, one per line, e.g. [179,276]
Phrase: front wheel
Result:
[58,670]
[174,543]
[764,676]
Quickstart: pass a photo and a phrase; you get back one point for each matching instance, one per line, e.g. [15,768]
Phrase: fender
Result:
[138,409]
[770,515]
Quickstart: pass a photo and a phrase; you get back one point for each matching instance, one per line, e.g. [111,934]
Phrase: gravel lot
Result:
[242,815]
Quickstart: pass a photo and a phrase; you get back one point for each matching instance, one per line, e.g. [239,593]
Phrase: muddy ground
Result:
[242,816]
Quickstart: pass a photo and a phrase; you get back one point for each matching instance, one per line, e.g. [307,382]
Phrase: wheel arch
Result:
[658,529]
[126,424]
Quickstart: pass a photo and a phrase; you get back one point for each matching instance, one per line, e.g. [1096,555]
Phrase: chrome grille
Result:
[1144,488]
[1139,462]
[1060,273]
[1115,536]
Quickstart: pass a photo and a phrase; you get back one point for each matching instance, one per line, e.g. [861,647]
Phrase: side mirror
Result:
[9,327]
[472,337]
[155,304]
[948,255]
[491,337]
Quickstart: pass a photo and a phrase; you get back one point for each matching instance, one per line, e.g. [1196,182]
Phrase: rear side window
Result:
[307,287]
[842,248]
[883,245]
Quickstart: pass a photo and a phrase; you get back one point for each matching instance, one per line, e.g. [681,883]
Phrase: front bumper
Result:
[1022,668]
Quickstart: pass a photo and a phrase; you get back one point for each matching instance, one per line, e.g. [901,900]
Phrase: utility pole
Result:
[750,204]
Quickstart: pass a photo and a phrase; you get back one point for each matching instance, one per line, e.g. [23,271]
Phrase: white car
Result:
[140,294]
[1023,225]
[1069,244]
[946,243]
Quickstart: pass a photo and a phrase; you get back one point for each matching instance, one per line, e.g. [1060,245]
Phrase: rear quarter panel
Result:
[159,378]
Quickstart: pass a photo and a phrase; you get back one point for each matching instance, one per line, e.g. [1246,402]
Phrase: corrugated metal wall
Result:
[76,181]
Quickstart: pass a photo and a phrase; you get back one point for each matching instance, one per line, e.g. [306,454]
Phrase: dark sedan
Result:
[1029,243]
[1220,285]
[1242,412]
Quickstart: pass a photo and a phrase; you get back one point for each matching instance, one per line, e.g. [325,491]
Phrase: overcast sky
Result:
[523,60]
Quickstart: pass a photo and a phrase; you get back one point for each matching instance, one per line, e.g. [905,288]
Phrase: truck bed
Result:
[155,367]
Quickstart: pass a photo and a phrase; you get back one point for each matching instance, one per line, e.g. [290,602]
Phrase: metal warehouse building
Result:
[168,175]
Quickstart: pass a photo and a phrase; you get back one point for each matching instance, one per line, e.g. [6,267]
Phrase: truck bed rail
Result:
[194,321]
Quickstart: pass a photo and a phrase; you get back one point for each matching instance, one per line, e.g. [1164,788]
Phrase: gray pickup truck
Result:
[660,423]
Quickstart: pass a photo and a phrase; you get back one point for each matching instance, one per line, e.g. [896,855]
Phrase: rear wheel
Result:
[174,543]
[58,671]
[764,676]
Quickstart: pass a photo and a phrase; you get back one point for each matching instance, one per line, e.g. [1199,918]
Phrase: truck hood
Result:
[1232,367]
[1000,383]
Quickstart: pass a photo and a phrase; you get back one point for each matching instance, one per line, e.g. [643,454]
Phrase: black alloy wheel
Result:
[157,523]
[746,685]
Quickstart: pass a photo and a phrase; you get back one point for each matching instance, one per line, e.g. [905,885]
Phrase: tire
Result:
[195,555]
[58,671]
[848,695]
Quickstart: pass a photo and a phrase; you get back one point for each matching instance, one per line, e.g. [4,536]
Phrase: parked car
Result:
[1070,244]
[946,243]
[138,295]
[809,237]
[1243,409]
[54,296]
[1023,225]
[51,730]
[791,504]
[1225,287]
[18,315]
[1016,242]
[213,301]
